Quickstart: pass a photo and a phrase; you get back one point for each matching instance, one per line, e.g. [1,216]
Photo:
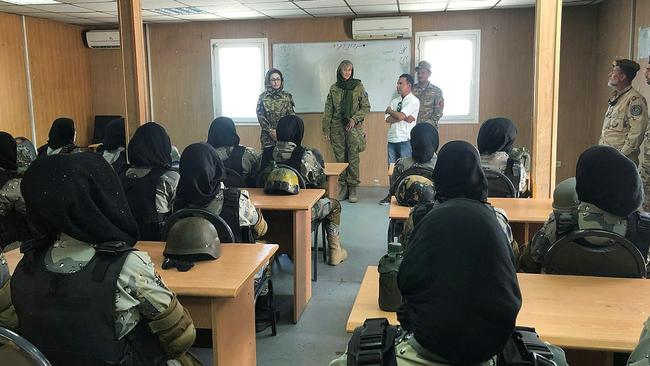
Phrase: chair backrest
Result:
[100,125]
[499,185]
[234,179]
[594,252]
[301,179]
[225,232]
[413,170]
[16,350]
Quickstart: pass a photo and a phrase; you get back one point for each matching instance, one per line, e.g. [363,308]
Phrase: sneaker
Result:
[385,201]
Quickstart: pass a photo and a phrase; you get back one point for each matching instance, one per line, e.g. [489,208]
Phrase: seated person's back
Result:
[113,147]
[241,159]
[13,221]
[424,145]
[60,138]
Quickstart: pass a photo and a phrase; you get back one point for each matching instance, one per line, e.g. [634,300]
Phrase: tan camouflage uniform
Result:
[165,190]
[589,217]
[639,356]
[625,123]
[432,103]
[250,159]
[346,144]
[499,162]
[270,108]
[403,164]
[12,200]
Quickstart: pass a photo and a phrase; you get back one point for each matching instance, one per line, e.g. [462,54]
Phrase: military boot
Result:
[336,253]
[343,192]
[352,196]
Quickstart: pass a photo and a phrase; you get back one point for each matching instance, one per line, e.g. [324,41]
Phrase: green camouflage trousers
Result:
[346,146]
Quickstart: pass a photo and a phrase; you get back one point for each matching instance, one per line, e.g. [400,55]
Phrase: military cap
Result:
[628,67]
[424,65]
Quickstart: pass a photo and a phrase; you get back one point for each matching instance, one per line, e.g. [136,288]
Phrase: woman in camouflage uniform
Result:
[272,105]
[60,139]
[345,109]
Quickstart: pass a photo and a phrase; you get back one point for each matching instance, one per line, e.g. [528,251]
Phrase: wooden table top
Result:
[528,210]
[304,200]
[335,168]
[589,313]
[224,277]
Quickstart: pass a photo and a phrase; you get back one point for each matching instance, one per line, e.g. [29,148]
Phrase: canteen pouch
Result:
[390,297]
[525,348]
[373,344]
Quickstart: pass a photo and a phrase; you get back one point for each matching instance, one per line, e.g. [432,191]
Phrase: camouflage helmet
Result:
[565,196]
[26,153]
[413,189]
[282,181]
[193,239]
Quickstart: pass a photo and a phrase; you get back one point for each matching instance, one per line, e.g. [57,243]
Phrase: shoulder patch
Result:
[636,110]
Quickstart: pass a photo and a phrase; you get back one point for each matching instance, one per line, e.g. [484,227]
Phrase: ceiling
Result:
[104,12]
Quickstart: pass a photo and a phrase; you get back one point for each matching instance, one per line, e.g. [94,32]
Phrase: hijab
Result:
[459,287]
[201,173]
[458,173]
[347,86]
[267,82]
[114,135]
[496,134]
[424,142]
[609,180]
[8,152]
[150,147]
[61,133]
[291,128]
[222,132]
[79,195]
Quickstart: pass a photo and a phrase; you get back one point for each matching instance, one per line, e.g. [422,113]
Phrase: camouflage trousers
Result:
[645,179]
[346,146]
[328,210]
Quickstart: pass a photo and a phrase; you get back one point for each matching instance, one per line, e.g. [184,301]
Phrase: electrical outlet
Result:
[558,163]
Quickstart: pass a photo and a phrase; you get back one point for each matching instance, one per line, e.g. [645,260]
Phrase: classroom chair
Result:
[499,185]
[16,350]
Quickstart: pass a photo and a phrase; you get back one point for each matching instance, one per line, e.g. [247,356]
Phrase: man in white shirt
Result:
[401,115]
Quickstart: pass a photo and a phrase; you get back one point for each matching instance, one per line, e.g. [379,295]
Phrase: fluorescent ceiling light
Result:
[179,11]
[32,2]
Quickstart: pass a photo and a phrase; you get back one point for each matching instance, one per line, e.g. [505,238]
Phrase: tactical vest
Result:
[120,165]
[141,194]
[295,161]
[13,225]
[70,318]
[234,161]
[230,214]
[67,149]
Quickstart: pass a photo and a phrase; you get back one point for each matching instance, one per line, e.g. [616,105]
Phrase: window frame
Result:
[262,43]
[474,35]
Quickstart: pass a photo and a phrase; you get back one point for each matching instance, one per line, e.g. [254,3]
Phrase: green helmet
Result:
[192,239]
[413,189]
[564,196]
[282,181]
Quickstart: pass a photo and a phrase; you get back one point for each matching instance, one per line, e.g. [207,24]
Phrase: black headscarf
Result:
[201,174]
[150,147]
[79,195]
[458,173]
[222,132]
[496,134]
[267,82]
[424,142]
[114,136]
[8,152]
[609,180]
[61,133]
[460,289]
[291,128]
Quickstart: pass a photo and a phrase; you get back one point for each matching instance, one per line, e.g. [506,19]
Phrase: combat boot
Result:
[336,253]
[352,195]
[343,192]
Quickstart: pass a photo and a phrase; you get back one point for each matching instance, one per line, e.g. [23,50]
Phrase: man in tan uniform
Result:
[432,103]
[627,115]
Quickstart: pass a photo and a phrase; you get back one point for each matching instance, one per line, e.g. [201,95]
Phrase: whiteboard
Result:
[309,69]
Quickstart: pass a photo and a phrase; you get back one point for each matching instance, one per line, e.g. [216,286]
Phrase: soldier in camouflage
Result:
[13,221]
[432,103]
[645,165]
[272,105]
[244,160]
[346,107]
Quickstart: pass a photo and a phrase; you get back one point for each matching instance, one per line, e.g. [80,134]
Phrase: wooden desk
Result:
[332,171]
[298,237]
[585,313]
[218,294]
[94,147]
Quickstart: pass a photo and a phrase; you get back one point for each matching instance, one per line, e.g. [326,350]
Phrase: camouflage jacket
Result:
[589,217]
[310,168]
[332,111]
[432,103]
[639,356]
[250,160]
[8,317]
[270,108]
[625,123]
[499,162]
[404,163]
[10,197]
[165,190]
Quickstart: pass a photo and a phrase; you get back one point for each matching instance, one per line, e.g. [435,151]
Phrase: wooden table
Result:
[575,312]
[293,230]
[94,147]
[218,294]
[332,171]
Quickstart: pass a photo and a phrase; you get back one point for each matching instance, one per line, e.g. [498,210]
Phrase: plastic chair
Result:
[16,350]
[499,185]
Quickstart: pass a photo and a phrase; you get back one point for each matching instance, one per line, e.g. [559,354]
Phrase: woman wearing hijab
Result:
[74,292]
[241,159]
[609,193]
[114,145]
[495,143]
[289,151]
[13,222]
[61,138]
[346,107]
[272,105]
[150,183]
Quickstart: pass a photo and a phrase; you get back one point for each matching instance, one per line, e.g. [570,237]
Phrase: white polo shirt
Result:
[401,131]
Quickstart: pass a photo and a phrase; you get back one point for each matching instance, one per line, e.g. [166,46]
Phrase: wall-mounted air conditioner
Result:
[382,28]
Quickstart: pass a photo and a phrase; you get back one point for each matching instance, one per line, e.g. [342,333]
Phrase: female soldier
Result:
[345,109]
[114,145]
[243,160]
[272,105]
[60,139]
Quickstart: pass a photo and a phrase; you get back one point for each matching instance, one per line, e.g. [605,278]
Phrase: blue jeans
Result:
[397,150]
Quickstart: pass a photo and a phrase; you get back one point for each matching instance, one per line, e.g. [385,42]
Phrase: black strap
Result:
[373,344]
[230,211]
[234,161]
[565,221]
[525,348]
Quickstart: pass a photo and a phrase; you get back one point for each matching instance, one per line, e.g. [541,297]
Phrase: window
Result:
[238,68]
[455,59]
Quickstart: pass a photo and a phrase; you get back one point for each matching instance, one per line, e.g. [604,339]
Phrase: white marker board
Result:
[309,69]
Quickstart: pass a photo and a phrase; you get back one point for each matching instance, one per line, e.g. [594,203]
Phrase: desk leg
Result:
[233,328]
[332,185]
[301,261]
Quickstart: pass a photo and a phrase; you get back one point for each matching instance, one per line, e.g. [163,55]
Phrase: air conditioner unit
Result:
[382,28]
[106,39]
